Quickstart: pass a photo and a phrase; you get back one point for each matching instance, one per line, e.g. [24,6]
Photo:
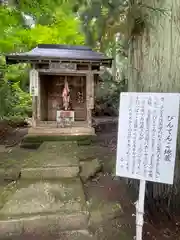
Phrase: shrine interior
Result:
[51,89]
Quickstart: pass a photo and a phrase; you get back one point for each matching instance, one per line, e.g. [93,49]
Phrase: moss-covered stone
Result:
[29,198]
[41,224]
[47,206]
[10,174]
[11,162]
[6,191]
[92,151]
[41,139]
[53,154]
[50,173]
[76,235]
[43,206]
[89,169]
[49,154]
[13,158]
[57,147]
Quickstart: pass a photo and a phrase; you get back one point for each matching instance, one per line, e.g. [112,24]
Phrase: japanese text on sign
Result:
[147,136]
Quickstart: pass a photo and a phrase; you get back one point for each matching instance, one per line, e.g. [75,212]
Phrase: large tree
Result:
[154,61]
[152,36]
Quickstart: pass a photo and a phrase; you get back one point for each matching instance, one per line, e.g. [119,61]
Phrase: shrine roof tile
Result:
[56,52]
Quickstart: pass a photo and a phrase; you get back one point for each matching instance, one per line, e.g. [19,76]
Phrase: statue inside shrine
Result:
[66,95]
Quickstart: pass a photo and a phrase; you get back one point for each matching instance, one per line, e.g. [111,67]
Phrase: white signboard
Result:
[34,82]
[147,135]
[65,117]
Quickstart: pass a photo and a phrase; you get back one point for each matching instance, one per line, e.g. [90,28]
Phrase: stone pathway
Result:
[46,199]
[47,196]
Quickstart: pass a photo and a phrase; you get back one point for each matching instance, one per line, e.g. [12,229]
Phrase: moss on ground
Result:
[80,139]
[50,152]
[6,192]
[105,220]
[100,210]
[13,158]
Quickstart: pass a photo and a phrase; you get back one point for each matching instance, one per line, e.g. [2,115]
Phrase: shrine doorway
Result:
[51,88]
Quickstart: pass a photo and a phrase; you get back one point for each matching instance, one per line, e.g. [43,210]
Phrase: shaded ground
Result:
[157,225]
[105,188]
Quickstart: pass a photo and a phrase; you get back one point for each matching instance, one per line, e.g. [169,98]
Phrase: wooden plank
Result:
[67,71]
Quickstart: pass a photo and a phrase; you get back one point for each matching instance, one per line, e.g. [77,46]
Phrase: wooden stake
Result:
[140,210]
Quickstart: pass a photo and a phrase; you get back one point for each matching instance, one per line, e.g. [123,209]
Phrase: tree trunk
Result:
[154,65]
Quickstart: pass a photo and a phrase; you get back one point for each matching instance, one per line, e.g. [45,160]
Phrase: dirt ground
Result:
[109,188]
[157,226]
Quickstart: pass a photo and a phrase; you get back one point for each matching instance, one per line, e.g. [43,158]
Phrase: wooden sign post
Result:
[148,124]
[34,89]
[34,82]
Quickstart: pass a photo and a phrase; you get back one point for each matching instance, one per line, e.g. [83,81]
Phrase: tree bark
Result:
[154,65]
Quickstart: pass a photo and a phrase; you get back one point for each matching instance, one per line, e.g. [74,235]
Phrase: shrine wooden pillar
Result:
[35,93]
[34,111]
[89,96]
[39,100]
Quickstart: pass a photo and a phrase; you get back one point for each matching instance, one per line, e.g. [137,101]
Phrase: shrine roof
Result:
[56,52]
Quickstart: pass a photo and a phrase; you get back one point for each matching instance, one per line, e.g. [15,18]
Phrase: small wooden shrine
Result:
[62,82]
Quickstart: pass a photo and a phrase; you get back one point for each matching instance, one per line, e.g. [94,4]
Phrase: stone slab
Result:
[90,168]
[88,153]
[58,146]
[50,155]
[50,173]
[43,197]
[76,235]
[11,174]
[54,131]
[41,139]
[43,206]
[43,224]
[53,154]
[63,235]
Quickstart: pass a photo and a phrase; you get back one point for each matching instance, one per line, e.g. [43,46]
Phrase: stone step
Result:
[50,173]
[53,154]
[43,206]
[43,224]
[54,131]
[76,235]
[53,160]
[63,235]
